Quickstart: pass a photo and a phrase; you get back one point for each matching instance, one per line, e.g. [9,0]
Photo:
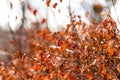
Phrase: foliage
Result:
[66,55]
[79,53]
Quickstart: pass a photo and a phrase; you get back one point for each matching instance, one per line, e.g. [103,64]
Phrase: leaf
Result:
[104,34]
[37,67]
[10,78]
[110,51]
[29,7]
[111,43]
[99,59]
[102,65]
[46,78]
[43,20]
[93,35]
[17,54]
[89,76]
[46,36]
[118,67]
[103,71]
[1,69]
[31,35]
[105,45]
[61,1]
[48,3]
[52,74]
[65,76]
[109,76]
[108,28]
[68,27]
[98,8]
[55,5]
[35,12]
[11,5]
[63,46]
[108,37]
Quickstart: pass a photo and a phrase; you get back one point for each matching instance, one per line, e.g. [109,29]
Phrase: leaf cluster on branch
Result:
[87,54]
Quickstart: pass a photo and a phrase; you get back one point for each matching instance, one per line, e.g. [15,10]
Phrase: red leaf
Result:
[54,5]
[43,20]
[35,12]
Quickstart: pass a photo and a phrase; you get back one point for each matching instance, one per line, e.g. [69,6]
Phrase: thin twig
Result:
[115,11]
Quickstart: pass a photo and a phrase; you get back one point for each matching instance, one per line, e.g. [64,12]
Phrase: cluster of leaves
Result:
[68,55]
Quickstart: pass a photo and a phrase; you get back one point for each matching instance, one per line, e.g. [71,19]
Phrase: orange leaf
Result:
[54,40]
[103,71]
[37,67]
[102,65]
[108,37]
[1,70]
[68,27]
[110,51]
[31,36]
[10,78]
[63,46]
[89,76]
[109,76]
[104,34]
[46,36]
[46,78]
[48,3]
[118,68]
[65,76]
[108,28]
[105,45]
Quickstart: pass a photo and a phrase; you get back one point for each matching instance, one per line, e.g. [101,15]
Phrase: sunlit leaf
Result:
[48,2]
[103,71]
[110,51]
[89,76]
[105,45]
[37,67]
